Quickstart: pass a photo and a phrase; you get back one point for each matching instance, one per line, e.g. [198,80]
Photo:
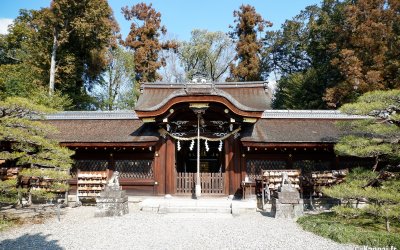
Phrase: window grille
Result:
[89,165]
[254,167]
[134,169]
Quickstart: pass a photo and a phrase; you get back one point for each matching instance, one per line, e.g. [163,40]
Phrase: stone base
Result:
[112,202]
[287,205]
[286,211]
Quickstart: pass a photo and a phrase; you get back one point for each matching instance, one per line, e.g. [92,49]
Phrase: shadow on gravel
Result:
[267,214]
[27,241]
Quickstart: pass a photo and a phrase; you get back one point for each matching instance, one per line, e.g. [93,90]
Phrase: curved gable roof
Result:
[246,97]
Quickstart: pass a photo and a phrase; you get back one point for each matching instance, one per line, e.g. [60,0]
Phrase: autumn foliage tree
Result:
[367,45]
[144,40]
[248,46]
[348,47]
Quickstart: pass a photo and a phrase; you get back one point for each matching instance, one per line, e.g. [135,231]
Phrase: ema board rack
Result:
[91,183]
[273,178]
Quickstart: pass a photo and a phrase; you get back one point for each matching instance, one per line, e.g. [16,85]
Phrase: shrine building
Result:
[226,132]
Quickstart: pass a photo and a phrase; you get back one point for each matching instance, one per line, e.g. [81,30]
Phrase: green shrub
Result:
[364,232]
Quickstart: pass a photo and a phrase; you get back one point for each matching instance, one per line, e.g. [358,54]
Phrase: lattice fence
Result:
[254,167]
[134,169]
[89,165]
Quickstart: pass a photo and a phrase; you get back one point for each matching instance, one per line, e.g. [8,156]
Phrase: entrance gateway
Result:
[200,121]
[199,140]
[223,131]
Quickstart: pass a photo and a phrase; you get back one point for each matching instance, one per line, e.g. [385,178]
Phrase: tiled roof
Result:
[308,114]
[292,131]
[275,126]
[106,130]
[93,115]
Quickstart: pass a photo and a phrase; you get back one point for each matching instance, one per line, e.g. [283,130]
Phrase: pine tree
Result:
[24,141]
[381,192]
[377,137]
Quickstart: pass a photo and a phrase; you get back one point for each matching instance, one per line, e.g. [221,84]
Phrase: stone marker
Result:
[287,204]
[112,201]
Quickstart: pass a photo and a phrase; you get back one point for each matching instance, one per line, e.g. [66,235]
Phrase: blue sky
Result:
[181,16]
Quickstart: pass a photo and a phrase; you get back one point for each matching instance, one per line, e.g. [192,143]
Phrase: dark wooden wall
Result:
[111,154]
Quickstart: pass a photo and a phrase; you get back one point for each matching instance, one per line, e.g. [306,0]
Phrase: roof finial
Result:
[200,78]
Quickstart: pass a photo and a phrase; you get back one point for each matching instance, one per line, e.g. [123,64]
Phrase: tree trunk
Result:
[376,164]
[29,198]
[53,64]
[387,225]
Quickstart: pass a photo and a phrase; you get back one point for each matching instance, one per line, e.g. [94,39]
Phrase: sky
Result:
[180,16]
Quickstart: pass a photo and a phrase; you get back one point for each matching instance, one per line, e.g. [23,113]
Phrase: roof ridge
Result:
[93,115]
[310,113]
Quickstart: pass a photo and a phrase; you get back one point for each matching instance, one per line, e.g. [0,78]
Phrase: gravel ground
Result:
[79,229]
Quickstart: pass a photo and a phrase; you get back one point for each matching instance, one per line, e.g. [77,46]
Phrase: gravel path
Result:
[79,229]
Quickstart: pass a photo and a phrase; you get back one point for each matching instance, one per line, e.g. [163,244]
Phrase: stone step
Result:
[195,209]
[222,206]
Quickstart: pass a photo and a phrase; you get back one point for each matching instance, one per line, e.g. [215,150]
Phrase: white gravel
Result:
[79,229]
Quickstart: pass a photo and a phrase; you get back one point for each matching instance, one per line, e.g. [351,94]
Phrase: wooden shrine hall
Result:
[198,138]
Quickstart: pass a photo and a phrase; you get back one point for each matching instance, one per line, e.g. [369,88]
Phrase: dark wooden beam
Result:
[109,144]
[286,144]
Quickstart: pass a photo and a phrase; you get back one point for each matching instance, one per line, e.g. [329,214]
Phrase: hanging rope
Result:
[164,132]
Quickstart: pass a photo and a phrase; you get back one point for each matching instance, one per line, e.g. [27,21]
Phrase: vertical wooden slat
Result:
[211,183]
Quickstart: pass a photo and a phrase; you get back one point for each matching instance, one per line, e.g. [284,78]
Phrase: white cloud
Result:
[4,22]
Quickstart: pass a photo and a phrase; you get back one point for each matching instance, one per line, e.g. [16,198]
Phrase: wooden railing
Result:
[211,183]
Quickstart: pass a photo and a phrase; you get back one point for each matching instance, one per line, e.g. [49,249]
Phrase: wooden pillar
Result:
[159,166]
[237,173]
[170,171]
[228,165]
[233,163]
[243,166]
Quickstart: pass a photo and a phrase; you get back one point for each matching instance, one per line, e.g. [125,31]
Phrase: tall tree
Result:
[81,32]
[338,41]
[26,144]
[119,90]
[285,50]
[208,53]
[144,40]
[365,62]
[248,46]
[73,35]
